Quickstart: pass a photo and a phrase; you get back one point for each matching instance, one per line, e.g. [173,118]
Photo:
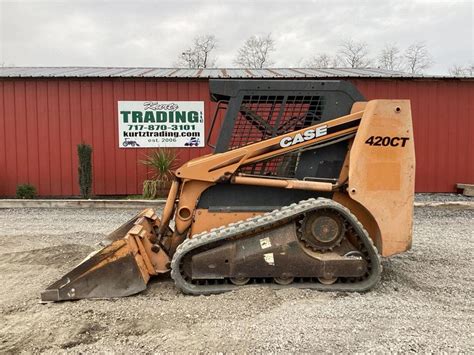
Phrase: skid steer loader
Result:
[307,186]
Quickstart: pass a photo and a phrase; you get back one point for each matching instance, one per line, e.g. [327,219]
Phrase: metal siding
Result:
[54,143]
[43,120]
[76,131]
[3,144]
[130,154]
[465,162]
[98,137]
[44,184]
[64,138]
[11,145]
[469,117]
[140,154]
[31,134]
[109,136]
[120,159]
[20,130]
[454,137]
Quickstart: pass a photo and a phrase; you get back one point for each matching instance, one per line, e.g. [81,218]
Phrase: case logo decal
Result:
[307,135]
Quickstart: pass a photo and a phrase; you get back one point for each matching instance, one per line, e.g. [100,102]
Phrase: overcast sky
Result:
[153,33]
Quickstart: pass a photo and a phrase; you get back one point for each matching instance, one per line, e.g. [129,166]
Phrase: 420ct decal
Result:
[387,141]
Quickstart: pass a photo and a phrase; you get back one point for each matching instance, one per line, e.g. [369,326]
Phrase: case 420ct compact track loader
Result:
[307,186]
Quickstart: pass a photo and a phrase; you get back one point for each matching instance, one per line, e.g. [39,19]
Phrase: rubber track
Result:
[267,221]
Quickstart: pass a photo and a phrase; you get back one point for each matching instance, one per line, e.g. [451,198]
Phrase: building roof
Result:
[214,73]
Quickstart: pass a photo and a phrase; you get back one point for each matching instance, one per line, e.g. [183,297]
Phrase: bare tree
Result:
[322,61]
[199,54]
[459,70]
[456,70]
[390,57]
[417,58]
[470,69]
[255,52]
[354,54]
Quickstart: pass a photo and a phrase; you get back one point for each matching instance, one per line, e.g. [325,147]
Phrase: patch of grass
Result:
[25,191]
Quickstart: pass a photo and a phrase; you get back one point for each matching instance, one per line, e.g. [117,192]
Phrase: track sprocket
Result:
[321,230]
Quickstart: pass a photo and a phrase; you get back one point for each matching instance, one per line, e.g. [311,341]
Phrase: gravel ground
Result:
[424,302]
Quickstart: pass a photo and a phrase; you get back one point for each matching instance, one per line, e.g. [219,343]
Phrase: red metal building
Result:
[46,112]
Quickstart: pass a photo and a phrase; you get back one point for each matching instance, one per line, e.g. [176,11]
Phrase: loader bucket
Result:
[121,231]
[120,269]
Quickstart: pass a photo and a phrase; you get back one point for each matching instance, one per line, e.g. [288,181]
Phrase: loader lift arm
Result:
[218,167]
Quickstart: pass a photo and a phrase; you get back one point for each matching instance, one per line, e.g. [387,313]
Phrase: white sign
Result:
[150,124]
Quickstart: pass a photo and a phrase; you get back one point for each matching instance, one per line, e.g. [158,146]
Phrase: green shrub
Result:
[162,162]
[25,191]
[84,152]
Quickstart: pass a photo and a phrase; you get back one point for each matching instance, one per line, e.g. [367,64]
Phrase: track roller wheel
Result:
[239,281]
[284,280]
[325,281]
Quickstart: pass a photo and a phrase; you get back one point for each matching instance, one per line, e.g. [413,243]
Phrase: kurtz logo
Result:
[303,137]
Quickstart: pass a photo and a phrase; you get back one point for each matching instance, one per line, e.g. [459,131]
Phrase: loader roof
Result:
[210,73]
